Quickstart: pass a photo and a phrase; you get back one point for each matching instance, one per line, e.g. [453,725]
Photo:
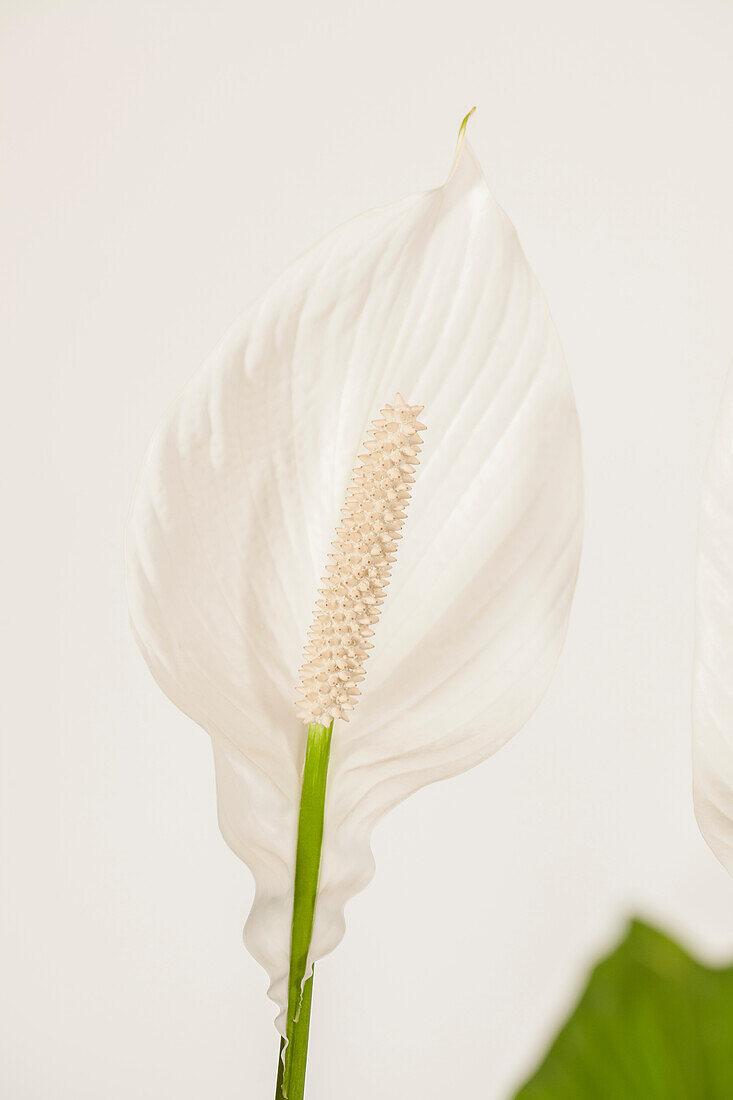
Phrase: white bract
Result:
[712,685]
[242,490]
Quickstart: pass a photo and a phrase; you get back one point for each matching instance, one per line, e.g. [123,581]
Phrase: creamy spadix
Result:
[360,565]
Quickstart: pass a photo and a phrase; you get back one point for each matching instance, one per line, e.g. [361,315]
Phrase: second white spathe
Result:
[712,683]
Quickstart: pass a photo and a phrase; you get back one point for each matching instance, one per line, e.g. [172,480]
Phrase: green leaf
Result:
[652,1024]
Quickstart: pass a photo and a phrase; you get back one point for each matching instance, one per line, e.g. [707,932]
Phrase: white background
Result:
[161,162]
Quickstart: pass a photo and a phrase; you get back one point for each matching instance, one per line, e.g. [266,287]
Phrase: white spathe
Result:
[712,682]
[242,489]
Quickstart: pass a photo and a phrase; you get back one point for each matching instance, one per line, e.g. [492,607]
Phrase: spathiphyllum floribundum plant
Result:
[712,685]
[380,460]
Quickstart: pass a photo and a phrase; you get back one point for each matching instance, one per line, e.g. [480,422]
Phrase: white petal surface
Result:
[241,492]
[712,687]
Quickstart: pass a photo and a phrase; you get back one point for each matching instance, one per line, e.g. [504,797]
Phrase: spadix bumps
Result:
[360,565]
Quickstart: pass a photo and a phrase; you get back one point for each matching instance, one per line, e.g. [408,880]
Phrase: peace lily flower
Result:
[265,563]
[712,701]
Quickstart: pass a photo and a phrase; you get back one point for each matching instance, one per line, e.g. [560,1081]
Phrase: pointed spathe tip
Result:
[460,143]
[464,127]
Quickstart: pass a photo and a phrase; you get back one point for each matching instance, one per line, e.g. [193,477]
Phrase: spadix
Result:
[360,566]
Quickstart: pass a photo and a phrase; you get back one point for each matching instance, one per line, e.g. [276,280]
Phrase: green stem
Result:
[294,1053]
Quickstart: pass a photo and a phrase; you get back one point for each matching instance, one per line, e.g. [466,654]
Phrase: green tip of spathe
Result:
[464,124]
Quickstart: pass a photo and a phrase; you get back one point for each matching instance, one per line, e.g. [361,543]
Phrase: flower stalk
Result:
[294,1049]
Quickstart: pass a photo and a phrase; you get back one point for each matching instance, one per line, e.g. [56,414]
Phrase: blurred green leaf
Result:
[652,1024]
